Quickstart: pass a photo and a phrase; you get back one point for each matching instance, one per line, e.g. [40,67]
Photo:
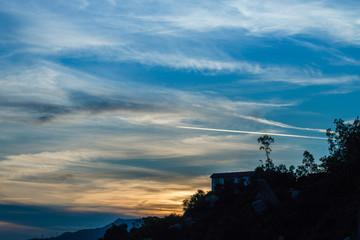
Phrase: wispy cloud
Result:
[280,18]
[181,61]
[8,226]
[308,79]
[53,92]
[119,36]
[96,184]
[17,166]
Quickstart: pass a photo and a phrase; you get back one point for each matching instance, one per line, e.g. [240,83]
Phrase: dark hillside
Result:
[89,234]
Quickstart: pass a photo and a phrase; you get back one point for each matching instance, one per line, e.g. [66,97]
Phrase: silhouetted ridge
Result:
[89,234]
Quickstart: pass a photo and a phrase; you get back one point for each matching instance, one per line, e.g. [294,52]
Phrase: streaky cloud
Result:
[249,132]
[282,18]
[9,226]
[184,61]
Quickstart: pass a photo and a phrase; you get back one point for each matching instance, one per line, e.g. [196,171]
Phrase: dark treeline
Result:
[315,201]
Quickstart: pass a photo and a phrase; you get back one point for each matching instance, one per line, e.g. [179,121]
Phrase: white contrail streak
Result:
[247,132]
[279,124]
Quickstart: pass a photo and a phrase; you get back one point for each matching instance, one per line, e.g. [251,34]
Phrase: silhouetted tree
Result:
[281,168]
[168,227]
[309,166]
[291,168]
[266,141]
[116,233]
[194,201]
[344,146]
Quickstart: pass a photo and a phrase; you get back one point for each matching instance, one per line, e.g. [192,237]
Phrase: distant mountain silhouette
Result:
[89,234]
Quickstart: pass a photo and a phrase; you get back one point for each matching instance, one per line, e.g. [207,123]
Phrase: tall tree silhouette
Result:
[266,141]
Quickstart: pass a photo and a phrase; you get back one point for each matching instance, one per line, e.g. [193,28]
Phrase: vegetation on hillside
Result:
[315,201]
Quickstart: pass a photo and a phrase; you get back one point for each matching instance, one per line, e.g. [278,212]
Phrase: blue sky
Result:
[95,96]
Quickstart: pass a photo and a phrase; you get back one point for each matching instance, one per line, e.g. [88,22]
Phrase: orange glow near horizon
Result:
[131,197]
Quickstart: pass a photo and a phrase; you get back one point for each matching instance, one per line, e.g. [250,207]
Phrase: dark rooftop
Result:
[232,174]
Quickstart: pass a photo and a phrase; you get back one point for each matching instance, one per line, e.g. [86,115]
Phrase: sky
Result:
[125,108]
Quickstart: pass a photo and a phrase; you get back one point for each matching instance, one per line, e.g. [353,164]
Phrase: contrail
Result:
[247,132]
[279,124]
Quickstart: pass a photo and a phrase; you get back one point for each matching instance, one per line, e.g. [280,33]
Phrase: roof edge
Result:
[233,174]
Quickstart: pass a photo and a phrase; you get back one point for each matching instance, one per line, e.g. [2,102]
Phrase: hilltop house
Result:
[235,177]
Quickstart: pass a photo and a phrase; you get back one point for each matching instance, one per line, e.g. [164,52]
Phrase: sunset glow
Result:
[124,109]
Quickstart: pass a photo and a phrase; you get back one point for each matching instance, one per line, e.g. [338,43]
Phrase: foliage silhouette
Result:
[309,166]
[344,146]
[116,233]
[194,202]
[266,141]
